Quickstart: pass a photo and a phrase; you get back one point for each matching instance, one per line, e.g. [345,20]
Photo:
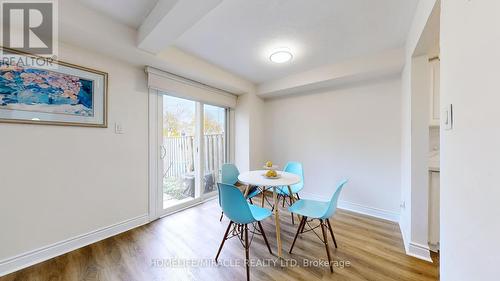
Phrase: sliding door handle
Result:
[163,152]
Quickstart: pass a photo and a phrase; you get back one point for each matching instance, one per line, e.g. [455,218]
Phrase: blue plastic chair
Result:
[241,213]
[230,175]
[294,168]
[323,211]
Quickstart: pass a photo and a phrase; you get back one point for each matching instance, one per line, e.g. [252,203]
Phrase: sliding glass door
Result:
[192,151]
[178,151]
[214,144]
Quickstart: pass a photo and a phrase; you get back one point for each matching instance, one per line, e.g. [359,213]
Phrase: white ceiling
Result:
[239,35]
[128,12]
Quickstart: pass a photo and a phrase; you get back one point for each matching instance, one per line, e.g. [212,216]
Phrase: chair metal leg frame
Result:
[301,224]
[264,236]
[242,230]
[265,199]
[223,240]
[277,202]
[323,225]
[291,199]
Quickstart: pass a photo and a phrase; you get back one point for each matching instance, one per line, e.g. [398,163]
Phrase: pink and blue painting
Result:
[64,94]
[39,90]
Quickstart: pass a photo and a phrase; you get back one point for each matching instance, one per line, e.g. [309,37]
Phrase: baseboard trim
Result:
[30,258]
[413,249]
[419,251]
[369,211]
[357,208]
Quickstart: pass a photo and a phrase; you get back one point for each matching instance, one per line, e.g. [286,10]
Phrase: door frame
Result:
[155,108]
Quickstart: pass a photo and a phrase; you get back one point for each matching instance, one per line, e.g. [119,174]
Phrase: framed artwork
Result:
[66,94]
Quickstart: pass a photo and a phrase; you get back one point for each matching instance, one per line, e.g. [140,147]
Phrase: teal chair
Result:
[294,168]
[322,211]
[240,213]
[229,175]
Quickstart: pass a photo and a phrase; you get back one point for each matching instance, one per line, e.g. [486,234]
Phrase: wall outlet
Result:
[119,129]
[402,205]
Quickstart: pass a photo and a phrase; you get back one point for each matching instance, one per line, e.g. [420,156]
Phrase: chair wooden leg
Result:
[276,204]
[247,256]
[291,203]
[284,201]
[325,238]
[265,238]
[302,222]
[331,232]
[303,225]
[250,199]
[223,240]
[263,198]
[221,216]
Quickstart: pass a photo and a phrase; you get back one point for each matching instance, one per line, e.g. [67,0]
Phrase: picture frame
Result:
[64,94]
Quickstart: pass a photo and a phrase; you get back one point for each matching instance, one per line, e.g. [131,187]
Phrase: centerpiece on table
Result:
[271,171]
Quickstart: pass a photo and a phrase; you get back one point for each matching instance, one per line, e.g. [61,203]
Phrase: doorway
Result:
[192,142]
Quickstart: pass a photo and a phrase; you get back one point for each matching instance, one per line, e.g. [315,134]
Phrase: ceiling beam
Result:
[372,67]
[168,20]
[75,29]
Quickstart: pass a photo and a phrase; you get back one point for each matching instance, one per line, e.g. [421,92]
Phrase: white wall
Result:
[59,182]
[408,211]
[248,132]
[470,153]
[349,133]
[420,112]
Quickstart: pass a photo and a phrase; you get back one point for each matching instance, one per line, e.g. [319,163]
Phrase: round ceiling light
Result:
[281,55]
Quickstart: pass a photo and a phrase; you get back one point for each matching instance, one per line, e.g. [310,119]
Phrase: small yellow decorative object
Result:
[269,164]
[271,174]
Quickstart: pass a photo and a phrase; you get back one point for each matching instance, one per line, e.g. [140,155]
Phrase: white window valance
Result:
[181,87]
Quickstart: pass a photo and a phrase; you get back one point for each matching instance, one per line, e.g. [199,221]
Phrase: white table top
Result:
[258,178]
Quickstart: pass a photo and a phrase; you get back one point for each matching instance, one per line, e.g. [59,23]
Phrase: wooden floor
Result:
[368,249]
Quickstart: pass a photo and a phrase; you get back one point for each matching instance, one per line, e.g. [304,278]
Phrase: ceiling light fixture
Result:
[281,55]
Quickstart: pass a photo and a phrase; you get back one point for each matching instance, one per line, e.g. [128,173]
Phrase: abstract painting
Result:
[62,95]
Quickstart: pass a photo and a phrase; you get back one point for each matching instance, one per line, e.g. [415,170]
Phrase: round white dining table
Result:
[257,178]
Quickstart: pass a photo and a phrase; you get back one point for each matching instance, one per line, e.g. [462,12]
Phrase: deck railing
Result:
[179,154]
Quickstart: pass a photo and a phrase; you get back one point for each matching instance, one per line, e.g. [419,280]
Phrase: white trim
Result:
[357,208]
[153,154]
[24,260]
[187,81]
[419,251]
[369,211]
[413,249]
[403,234]
[181,87]
[193,203]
